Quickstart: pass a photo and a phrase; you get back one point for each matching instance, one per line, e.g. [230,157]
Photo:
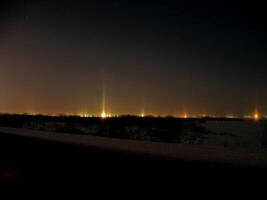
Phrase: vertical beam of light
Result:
[143,112]
[103,113]
[103,99]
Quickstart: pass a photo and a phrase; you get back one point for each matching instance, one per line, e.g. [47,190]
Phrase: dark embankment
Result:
[38,169]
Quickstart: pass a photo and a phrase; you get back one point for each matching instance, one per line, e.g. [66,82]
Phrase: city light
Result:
[103,115]
[231,116]
[84,115]
[256,116]
[142,114]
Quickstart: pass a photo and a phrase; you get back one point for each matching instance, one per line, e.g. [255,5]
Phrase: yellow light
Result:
[256,116]
[185,116]
[103,115]
[142,114]
[84,115]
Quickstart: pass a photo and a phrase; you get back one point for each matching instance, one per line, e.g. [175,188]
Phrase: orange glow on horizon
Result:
[106,113]
[143,114]
[185,116]
[256,116]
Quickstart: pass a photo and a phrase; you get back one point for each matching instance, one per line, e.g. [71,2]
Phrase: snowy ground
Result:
[235,134]
[247,135]
[163,150]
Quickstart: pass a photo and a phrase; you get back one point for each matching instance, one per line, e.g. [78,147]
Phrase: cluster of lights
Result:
[231,117]
[103,115]
[106,115]
[255,116]
[84,115]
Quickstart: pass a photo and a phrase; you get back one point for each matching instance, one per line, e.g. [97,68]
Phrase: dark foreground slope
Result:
[32,168]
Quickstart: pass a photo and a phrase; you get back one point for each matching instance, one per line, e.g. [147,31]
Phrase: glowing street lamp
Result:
[256,116]
[103,115]
[142,114]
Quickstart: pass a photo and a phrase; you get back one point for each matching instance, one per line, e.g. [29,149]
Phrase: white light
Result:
[231,116]
[103,115]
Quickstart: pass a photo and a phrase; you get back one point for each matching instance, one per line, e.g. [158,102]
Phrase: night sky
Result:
[164,57]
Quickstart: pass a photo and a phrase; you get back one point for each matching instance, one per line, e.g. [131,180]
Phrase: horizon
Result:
[254,116]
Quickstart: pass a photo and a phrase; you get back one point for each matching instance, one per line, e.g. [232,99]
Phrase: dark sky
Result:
[169,57]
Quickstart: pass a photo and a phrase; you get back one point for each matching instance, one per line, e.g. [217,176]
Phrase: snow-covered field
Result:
[248,135]
[235,134]
[223,140]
